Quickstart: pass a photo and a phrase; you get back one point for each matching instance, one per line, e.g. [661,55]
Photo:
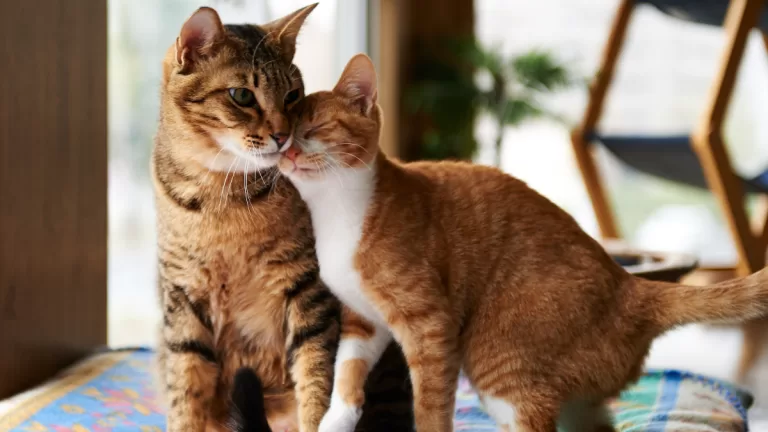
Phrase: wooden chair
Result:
[700,159]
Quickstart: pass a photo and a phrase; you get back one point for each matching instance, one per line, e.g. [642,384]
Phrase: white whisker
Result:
[255,50]
[275,177]
[349,143]
[224,185]
[213,163]
[349,154]
[245,187]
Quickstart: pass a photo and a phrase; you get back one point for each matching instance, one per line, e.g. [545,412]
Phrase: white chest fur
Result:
[338,205]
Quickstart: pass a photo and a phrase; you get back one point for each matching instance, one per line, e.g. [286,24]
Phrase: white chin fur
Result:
[233,158]
[225,161]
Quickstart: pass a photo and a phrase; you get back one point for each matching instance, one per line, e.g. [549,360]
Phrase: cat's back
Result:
[485,212]
[465,186]
[461,178]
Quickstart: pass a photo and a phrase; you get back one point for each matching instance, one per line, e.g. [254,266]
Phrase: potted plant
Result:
[452,90]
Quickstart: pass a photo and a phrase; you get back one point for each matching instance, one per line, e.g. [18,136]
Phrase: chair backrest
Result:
[709,12]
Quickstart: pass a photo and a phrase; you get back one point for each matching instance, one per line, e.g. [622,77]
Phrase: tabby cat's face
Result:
[228,90]
[336,130]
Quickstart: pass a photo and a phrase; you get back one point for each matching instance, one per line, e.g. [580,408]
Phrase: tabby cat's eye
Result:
[292,96]
[242,97]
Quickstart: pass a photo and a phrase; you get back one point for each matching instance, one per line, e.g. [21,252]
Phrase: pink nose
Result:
[292,153]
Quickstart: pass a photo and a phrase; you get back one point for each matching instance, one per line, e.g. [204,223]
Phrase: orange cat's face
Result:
[228,90]
[335,130]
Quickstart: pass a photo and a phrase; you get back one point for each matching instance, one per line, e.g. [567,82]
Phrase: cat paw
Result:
[340,418]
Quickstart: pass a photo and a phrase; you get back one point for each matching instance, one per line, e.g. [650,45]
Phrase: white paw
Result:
[340,418]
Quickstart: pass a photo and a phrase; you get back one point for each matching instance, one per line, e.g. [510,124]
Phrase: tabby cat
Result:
[238,274]
[469,268]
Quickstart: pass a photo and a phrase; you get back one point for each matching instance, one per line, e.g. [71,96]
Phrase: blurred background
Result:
[660,86]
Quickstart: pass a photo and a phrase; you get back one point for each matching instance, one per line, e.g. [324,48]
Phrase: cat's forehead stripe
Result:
[259,51]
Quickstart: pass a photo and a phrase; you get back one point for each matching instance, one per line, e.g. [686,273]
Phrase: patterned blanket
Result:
[113,392]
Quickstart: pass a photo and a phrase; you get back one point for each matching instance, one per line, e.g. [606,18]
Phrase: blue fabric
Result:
[708,12]
[667,157]
[114,392]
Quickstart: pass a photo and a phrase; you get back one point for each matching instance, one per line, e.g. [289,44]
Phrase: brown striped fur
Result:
[471,268]
[238,276]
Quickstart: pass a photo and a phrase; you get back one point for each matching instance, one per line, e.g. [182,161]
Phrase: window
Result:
[660,85]
[140,31]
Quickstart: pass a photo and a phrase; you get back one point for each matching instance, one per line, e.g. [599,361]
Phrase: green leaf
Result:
[517,110]
[540,71]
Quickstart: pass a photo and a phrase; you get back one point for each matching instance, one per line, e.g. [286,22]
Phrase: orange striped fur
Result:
[469,268]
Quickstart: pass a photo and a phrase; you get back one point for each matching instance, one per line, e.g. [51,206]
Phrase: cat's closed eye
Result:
[318,128]
[242,97]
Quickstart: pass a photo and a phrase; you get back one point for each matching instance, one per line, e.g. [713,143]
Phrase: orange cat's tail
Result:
[732,301]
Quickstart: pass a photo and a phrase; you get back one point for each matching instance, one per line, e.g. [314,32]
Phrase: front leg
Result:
[427,331]
[433,359]
[361,346]
[188,364]
[312,321]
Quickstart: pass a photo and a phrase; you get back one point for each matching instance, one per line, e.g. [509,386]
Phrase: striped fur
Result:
[238,275]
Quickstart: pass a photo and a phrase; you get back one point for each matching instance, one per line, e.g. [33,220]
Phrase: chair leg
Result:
[593,183]
[581,145]
[707,139]
[760,220]
[708,143]
[755,336]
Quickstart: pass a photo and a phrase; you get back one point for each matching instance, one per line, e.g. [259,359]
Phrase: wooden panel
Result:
[53,186]
[386,24]
[428,24]
[404,32]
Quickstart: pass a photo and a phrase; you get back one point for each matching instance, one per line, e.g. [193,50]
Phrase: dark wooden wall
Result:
[53,186]
[406,28]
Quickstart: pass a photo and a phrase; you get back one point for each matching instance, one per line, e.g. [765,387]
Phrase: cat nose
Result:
[280,138]
[292,153]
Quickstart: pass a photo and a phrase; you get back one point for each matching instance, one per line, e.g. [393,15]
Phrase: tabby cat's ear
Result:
[358,83]
[198,36]
[284,31]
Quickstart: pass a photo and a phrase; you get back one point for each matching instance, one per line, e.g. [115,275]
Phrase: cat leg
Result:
[501,411]
[188,364]
[431,350]
[579,415]
[526,417]
[428,334]
[535,416]
[521,409]
[361,346]
[434,376]
[313,334]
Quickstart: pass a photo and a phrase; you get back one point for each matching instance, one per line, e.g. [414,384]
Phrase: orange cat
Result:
[469,268]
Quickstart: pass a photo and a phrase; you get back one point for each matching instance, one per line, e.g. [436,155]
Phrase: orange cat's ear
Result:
[284,31]
[198,36]
[358,83]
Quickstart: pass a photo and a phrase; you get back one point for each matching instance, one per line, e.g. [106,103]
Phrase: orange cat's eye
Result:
[315,129]
[292,96]
[242,97]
